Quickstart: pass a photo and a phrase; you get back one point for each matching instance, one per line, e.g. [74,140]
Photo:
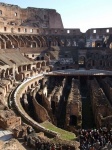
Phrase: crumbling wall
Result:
[35,17]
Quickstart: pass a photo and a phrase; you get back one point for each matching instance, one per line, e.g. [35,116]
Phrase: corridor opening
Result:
[73,120]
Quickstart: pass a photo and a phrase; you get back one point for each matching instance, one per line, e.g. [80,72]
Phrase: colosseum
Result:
[55,83]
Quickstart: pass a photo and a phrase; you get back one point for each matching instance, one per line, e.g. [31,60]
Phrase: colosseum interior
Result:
[55,83]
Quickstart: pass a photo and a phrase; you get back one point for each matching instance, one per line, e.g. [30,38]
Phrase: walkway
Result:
[81,72]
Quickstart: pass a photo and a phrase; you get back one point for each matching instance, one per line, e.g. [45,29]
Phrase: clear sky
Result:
[83,14]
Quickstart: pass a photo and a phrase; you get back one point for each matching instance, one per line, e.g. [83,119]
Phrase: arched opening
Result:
[8,44]
[98,45]
[38,65]
[24,67]
[81,61]
[73,120]
[29,67]
[19,29]
[53,107]
[15,14]
[31,30]
[5,29]
[43,64]
[25,30]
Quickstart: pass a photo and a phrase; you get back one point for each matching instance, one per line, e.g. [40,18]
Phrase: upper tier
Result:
[35,17]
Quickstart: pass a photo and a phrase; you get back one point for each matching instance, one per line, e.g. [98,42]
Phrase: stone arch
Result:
[47,70]
[14,42]
[21,41]
[38,65]
[29,67]
[24,67]
[47,63]
[7,41]
[98,44]
[8,44]
[19,68]
[27,44]
[81,61]
[42,41]
[50,68]
[38,41]
[33,44]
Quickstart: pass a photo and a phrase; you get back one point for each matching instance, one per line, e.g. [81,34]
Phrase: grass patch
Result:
[64,135]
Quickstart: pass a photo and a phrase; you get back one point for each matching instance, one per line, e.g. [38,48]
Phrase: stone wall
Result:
[102,109]
[42,18]
[12,144]
[18,94]
[74,106]
[40,111]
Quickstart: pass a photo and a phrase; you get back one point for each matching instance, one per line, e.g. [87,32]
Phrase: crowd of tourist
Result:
[96,139]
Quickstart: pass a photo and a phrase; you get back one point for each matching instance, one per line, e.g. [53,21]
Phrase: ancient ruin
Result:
[55,83]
